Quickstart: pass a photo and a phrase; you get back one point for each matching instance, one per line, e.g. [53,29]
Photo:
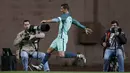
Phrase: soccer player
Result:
[59,44]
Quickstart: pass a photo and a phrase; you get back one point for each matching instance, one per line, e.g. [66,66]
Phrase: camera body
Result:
[33,29]
[26,36]
[116,30]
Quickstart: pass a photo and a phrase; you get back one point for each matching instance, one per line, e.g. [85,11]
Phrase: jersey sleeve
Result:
[56,19]
[77,23]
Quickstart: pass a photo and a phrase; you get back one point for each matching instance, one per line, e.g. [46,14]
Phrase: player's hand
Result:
[88,30]
[43,21]
[32,37]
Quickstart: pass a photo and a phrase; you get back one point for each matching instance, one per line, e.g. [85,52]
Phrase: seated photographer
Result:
[27,41]
[113,42]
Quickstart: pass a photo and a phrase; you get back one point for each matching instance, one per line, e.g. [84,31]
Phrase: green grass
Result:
[49,72]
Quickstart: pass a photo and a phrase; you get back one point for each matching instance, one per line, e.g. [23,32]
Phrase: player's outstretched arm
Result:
[46,21]
[75,22]
[54,20]
[87,30]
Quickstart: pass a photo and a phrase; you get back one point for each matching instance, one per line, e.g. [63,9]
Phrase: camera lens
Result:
[112,30]
[44,27]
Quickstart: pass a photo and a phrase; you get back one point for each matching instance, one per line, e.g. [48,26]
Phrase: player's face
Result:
[26,25]
[62,10]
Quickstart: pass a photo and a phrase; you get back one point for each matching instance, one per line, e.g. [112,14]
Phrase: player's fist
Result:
[88,30]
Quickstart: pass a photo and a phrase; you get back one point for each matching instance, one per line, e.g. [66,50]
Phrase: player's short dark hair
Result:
[65,6]
[114,21]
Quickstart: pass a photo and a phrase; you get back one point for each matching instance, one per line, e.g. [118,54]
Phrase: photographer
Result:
[27,41]
[113,42]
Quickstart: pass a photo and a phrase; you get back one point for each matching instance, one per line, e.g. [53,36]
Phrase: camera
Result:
[33,28]
[26,37]
[116,29]
[43,27]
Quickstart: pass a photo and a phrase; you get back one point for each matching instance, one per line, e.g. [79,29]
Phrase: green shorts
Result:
[59,44]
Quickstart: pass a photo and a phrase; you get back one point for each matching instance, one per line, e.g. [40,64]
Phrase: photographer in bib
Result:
[113,41]
[28,43]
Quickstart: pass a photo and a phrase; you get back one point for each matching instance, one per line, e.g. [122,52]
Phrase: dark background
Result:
[96,14]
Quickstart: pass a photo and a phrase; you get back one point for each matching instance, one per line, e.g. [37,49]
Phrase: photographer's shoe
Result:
[39,67]
[83,57]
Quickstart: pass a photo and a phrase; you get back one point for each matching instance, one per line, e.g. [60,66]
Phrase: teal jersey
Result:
[65,22]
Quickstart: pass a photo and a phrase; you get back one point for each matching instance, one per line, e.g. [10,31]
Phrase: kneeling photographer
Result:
[113,42]
[27,42]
